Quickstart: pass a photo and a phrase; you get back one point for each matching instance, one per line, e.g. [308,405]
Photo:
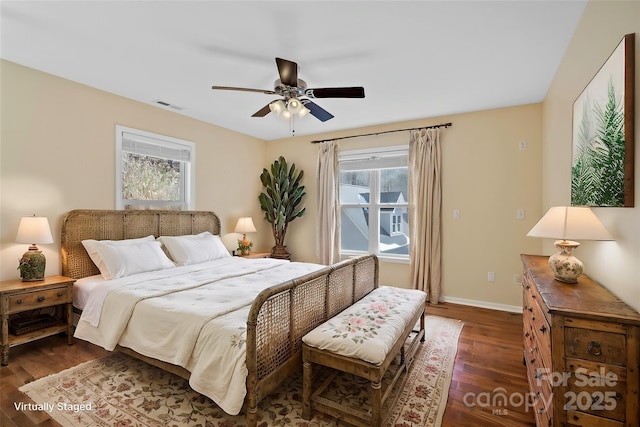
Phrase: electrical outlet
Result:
[517,279]
[522,145]
[491,276]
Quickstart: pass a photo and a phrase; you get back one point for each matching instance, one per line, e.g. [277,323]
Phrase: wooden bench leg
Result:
[376,404]
[307,374]
[252,419]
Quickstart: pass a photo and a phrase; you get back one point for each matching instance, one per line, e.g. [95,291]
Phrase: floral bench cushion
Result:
[368,329]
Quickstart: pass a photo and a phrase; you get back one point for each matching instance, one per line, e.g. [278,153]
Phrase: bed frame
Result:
[279,317]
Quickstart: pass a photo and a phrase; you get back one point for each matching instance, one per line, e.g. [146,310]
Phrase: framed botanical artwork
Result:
[602,169]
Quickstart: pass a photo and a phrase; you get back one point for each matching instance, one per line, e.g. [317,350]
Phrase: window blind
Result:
[374,159]
[146,146]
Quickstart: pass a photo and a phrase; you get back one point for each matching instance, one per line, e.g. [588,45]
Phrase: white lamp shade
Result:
[245,225]
[303,111]
[277,106]
[294,106]
[570,223]
[34,229]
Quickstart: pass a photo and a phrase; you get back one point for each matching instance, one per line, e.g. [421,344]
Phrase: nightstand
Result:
[17,297]
[254,255]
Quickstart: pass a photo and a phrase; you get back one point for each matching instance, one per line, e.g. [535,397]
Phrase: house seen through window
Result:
[153,171]
[374,202]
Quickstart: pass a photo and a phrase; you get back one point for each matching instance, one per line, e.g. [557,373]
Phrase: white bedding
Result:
[193,316]
[82,289]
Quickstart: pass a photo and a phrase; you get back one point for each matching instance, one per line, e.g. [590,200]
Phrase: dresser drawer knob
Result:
[19,301]
[40,298]
[594,348]
[543,328]
[60,294]
[527,335]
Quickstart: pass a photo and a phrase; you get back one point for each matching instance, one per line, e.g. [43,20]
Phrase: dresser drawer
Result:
[541,392]
[580,419]
[597,346]
[38,299]
[596,388]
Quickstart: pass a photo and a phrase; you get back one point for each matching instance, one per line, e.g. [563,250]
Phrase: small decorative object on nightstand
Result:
[17,298]
[33,229]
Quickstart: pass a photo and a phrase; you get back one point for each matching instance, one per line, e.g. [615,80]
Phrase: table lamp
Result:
[244,226]
[568,222]
[33,230]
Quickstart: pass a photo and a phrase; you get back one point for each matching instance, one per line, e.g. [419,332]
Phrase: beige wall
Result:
[616,265]
[57,153]
[485,176]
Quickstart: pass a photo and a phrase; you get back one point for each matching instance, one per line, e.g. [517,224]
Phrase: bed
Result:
[265,305]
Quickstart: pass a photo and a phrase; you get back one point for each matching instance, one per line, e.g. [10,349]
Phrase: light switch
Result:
[520,213]
[456,213]
[522,145]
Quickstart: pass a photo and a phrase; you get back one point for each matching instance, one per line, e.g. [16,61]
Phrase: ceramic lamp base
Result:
[32,266]
[566,267]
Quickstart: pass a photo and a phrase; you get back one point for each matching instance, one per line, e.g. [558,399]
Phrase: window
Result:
[153,171]
[374,202]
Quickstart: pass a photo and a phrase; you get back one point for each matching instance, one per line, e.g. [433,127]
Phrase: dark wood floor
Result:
[489,356]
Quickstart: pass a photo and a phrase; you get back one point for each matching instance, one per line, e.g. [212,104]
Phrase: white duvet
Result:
[192,316]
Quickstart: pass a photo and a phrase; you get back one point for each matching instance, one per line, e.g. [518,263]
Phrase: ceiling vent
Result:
[166,104]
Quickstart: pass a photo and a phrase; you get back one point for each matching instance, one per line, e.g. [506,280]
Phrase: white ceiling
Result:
[415,59]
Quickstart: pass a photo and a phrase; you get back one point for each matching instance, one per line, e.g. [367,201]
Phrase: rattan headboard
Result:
[78,225]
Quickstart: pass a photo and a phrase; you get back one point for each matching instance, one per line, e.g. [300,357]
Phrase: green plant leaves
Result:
[282,196]
[597,174]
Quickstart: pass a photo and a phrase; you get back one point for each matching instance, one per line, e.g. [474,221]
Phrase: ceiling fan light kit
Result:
[296,97]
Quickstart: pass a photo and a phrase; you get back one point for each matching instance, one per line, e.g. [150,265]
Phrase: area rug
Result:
[118,390]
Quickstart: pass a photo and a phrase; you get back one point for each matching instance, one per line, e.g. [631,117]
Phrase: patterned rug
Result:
[121,391]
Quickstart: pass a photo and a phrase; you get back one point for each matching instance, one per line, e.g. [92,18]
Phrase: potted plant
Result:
[281,201]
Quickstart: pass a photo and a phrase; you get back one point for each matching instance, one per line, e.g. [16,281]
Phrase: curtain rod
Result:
[441,125]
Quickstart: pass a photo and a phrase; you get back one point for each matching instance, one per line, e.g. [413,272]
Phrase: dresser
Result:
[581,351]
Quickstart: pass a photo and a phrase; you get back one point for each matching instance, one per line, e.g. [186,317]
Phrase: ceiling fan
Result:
[296,97]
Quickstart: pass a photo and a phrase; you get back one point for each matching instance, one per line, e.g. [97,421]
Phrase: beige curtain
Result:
[425,209]
[328,229]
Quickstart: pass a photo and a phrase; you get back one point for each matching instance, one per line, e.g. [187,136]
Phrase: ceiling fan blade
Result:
[262,112]
[335,92]
[243,89]
[317,111]
[288,72]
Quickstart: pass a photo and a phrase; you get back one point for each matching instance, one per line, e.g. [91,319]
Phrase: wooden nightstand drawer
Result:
[598,346]
[38,299]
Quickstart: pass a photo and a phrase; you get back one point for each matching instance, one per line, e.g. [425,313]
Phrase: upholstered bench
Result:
[364,340]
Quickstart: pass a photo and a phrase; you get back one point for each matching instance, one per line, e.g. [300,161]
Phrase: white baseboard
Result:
[483,304]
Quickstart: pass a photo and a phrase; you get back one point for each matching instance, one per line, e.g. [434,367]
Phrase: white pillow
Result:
[120,260]
[93,248]
[194,249]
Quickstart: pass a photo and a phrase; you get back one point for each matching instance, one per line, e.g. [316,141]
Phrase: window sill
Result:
[382,258]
